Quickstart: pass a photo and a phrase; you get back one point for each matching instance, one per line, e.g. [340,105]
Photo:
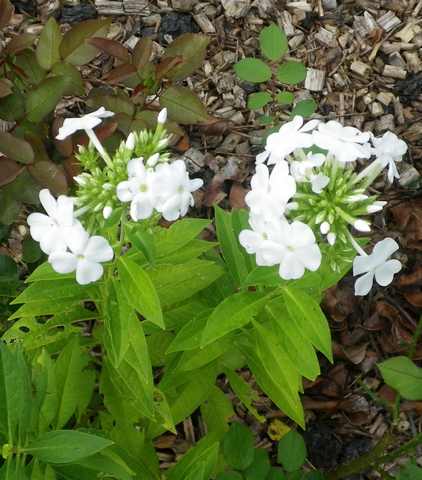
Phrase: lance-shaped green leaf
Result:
[66,446]
[233,313]
[310,319]
[48,48]
[72,77]
[140,291]
[273,42]
[43,100]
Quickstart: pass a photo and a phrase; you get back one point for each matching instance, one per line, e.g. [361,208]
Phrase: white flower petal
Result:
[48,202]
[363,284]
[124,191]
[291,268]
[88,272]
[77,239]
[141,208]
[384,249]
[384,273]
[63,262]
[98,250]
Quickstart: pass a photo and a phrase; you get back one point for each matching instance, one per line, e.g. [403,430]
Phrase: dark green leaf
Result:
[230,476]
[31,251]
[273,42]
[27,62]
[238,446]
[291,72]
[72,78]
[48,48]
[43,100]
[291,451]
[142,52]
[50,175]
[12,107]
[183,106]
[8,268]
[260,466]
[276,474]
[16,148]
[66,446]
[192,47]
[253,70]
[75,49]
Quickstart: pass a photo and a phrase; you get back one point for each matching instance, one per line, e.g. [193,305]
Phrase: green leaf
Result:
[410,471]
[291,72]
[15,395]
[43,100]
[258,100]
[175,283]
[118,103]
[27,61]
[183,106]
[50,175]
[31,251]
[304,108]
[285,98]
[289,332]
[189,336]
[12,107]
[192,47]
[74,382]
[66,446]
[404,376]
[230,476]
[229,242]
[260,467]
[140,291]
[310,318]
[74,47]
[205,451]
[216,411]
[274,373]
[273,42]
[48,48]
[8,268]
[276,474]
[238,446]
[15,148]
[291,451]
[244,392]
[253,70]
[72,78]
[233,313]
[117,313]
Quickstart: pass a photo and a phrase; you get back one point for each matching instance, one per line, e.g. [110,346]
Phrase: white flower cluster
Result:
[311,197]
[152,185]
[164,187]
[68,245]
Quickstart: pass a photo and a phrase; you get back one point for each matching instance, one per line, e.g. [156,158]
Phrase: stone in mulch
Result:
[77,13]
[176,24]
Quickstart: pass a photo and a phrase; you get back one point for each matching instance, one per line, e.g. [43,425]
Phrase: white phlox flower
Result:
[270,192]
[300,251]
[139,190]
[304,171]
[87,122]
[377,265]
[51,230]
[85,256]
[174,189]
[346,144]
[162,116]
[291,136]
[264,240]
[388,150]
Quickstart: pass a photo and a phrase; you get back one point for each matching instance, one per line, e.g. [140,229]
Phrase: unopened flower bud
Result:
[107,211]
[162,116]
[331,238]
[130,142]
[375,207]
[153,160]
[362,225]
[324,228]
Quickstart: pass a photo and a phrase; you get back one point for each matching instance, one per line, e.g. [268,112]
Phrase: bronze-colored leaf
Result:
[9,170]
[15,148]
[166,65]
[19,43]
[111,47]
[184,106]
[120,73]
[50,175]
[64,147]
[37,144]
[192,47]
[142,52]
[6,12]
[5,87]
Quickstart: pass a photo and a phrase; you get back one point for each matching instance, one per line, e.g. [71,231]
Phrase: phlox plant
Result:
[122,333]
